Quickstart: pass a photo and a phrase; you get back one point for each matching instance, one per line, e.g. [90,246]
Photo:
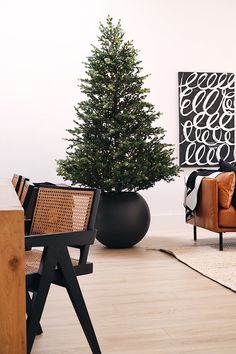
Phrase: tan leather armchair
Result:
[210,214]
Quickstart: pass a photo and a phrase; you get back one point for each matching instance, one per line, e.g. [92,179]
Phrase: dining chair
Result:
[21,186]
[26,194]
[63,217]
[16,181]
[26,200]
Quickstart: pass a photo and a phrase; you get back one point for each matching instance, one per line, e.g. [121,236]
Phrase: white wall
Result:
[42,46]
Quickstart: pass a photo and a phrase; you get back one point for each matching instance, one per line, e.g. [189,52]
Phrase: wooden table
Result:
[12,272]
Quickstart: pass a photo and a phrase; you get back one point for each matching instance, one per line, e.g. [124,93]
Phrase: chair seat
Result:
[33,258]
[227,217]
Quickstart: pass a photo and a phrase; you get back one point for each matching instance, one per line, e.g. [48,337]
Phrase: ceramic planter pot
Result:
[123,219]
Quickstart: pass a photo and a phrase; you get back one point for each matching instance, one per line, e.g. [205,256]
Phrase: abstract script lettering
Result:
[206,116]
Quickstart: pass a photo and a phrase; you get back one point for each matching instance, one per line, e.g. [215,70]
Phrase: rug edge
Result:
[171,253]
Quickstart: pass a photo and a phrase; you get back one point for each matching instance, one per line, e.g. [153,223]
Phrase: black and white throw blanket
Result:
[192,185]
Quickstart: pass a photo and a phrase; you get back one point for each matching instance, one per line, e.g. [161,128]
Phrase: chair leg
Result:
[77,300]
[47,268]
[221,241]
[195,233]
[28,311]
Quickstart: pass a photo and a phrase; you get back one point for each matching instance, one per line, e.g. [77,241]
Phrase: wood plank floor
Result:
[143,301]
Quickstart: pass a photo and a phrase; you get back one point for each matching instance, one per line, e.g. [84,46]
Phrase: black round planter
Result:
[122,220]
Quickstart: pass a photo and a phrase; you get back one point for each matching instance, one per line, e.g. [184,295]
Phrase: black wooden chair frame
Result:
[56,267]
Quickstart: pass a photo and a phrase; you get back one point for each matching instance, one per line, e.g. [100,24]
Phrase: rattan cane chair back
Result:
[16,181]
[21,186]
[61,210]
[26,196]
[24,192]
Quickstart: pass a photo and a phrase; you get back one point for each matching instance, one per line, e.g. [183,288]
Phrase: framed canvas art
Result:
[206,118]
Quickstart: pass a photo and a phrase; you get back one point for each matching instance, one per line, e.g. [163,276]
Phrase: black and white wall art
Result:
[206,118]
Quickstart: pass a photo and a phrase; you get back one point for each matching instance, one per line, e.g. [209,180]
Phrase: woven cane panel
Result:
[61,210]
[14,180]
[21,186]
[33,258]
[24,192]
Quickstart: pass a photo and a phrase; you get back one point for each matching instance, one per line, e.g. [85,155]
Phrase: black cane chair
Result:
[26,194]
[22,189]
[16,181]
[27,202]
[62,217]
[21,186]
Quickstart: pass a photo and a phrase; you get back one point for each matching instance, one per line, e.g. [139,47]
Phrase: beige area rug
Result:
[219,266]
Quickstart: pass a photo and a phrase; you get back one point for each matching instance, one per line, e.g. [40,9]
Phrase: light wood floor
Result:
[143,301]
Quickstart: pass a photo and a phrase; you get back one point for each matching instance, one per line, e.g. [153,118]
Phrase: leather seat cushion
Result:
[227,217]
[226,185]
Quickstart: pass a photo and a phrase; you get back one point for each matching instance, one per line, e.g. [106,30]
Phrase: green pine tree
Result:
[114,145]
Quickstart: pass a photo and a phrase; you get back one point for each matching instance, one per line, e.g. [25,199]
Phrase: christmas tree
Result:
[114,144]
